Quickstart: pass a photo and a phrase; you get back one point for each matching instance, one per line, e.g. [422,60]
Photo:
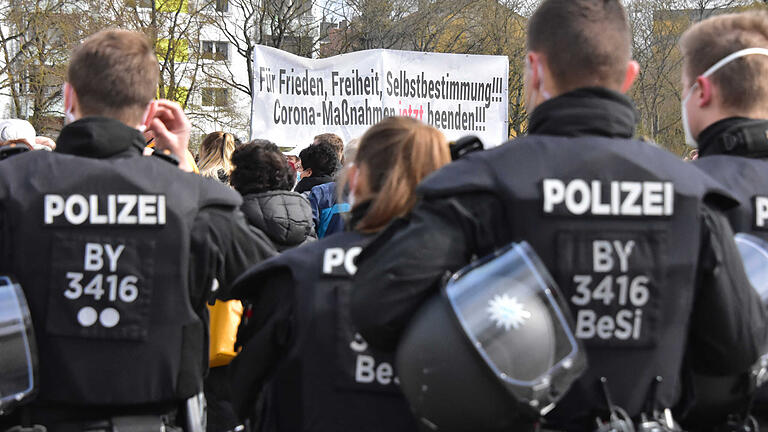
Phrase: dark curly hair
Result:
[320,158]
[260,167]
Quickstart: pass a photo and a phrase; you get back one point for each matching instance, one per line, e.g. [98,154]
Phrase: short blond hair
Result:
[742,82]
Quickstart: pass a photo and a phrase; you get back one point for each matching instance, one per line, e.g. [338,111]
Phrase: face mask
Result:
[684,113]
[68,117]
[738,54]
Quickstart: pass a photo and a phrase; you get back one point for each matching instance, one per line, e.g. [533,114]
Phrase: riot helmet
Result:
[18,354]
[494,350]
[754,255]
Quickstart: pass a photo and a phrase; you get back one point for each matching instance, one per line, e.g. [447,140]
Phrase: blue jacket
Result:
[326,212]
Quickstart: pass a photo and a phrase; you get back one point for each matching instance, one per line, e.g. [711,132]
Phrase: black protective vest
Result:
[736,158]
[609,219]
[331,379]
[102,250]
[734,152]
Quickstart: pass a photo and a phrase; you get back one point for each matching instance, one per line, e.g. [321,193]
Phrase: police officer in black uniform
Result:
[725,61]
[118,252]
[633,236]
[304,365]
[726,116]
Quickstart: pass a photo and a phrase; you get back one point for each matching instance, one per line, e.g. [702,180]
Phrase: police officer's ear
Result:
[704,93]
[534,63]
[633,69]
[71,103]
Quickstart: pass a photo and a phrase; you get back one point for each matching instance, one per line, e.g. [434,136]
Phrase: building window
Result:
[213,96]
[222,5]
[213,50]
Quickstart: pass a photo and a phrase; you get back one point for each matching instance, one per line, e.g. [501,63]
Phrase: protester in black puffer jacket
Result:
[264,178]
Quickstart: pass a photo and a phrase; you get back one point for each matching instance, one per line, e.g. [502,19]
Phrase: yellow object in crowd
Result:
[225,318]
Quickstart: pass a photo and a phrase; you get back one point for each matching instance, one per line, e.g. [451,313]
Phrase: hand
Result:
[45,141]
[171,128]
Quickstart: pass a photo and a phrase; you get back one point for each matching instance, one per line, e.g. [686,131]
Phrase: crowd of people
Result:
[573,279]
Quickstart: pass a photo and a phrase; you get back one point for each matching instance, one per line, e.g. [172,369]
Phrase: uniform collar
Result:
[589,111]
[739,136]
[100,138]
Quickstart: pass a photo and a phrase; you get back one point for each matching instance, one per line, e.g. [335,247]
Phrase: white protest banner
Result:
[296,98]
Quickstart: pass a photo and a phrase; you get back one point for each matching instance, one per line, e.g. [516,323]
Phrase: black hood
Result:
[307,183]
[286,217]
[736,136]
[100,137]
[591,111]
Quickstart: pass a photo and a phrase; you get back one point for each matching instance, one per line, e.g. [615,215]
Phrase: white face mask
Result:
[729,58]
[69,117]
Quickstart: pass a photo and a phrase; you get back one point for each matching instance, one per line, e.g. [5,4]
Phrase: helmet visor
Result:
[510,308]
[17,356]
[754,255]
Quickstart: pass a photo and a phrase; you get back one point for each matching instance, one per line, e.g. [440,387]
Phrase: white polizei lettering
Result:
[94,259]
[630,206]
[349,260]
[653,198]
[599,208]
[161,209]
[581,188]
[95,217]
[554,193]
[624,198]
[332,258]
[81,203]
[761,211]
[121,209]
[125,217]
[54,206]
[615,198]
[147,210]
[602,256]
[624,251]
[669,199]
[113,255]
[112,209]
